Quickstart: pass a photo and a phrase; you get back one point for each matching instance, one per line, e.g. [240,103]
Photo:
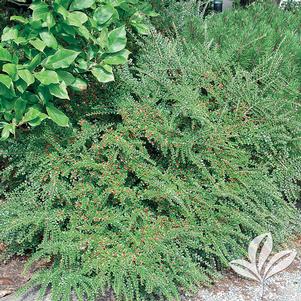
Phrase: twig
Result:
[18,3]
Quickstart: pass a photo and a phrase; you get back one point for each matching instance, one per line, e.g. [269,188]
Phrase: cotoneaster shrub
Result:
[264,29]
[183,160]
[44,55]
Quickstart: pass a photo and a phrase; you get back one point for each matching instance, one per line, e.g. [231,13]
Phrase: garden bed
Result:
[185,145]
[282,287]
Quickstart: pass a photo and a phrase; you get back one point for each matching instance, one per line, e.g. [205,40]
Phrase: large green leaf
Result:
[59,90]
[56,115]
[81,4]
[63,58]
[47,77]
[117,39]
[103,13]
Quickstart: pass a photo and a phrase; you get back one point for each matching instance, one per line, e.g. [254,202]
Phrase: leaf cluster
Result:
[44,55]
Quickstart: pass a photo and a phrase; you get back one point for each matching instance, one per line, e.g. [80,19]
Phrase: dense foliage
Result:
[172,169]
[41,56]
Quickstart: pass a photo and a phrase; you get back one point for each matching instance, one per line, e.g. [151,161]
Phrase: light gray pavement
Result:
[227,4]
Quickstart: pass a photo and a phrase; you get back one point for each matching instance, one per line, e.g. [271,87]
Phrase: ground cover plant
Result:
[168,172]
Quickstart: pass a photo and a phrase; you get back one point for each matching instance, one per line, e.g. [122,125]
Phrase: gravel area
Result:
[285,286]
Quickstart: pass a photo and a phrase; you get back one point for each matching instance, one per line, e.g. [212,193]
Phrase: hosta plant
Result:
[42,56]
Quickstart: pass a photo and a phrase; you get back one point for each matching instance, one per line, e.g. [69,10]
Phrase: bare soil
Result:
[285,286]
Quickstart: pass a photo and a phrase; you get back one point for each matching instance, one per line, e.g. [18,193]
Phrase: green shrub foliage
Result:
[44,55]
[184,159]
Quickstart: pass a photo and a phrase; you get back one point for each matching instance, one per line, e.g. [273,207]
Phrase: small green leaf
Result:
[103,38]
[35,62]
[82,64]
[85,33]
[63,58]
[11,70]
[47,77]
[64,3]
[21,85]
[38,44]
[71,32]
[57,116]
[59,91]
[39,11]
[44,94]
[79,85]
[66,77]
[19,19]
[20,106]
[36,25]
[6,93]
[81,4]
[8,116]
[33,114]
[5,55]
[26,76]
[7,129]
[5,80]
[104,13]
[117,58]
[141,28]
[62,11]
[9,33]
[31,98]
[6,104]
[77,18]
[50,21]
[117,40]
[49,39]
[20,41]
[103,75]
